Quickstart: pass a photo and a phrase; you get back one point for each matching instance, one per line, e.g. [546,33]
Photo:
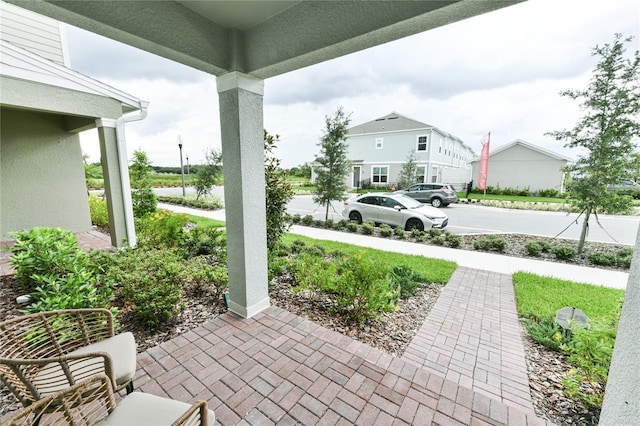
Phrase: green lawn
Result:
[433,270]
[205,222]
[538,296]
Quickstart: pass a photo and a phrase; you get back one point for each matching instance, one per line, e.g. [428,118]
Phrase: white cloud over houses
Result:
[500,72]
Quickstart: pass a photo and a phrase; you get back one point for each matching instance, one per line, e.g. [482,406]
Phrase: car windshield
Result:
[409,202]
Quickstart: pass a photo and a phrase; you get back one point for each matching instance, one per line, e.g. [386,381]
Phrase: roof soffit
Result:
[277,37]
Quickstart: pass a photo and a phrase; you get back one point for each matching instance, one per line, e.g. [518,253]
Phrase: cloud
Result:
[500,72]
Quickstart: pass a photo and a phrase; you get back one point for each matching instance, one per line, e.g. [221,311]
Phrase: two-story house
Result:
[44,105]
[379,148]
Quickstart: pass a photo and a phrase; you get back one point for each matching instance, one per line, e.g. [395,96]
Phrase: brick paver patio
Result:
[465,366]
[278,368]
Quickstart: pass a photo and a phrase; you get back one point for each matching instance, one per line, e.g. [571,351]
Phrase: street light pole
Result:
[181,166]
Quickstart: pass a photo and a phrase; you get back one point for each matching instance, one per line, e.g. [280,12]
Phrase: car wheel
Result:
[414,224]
[356,217]
[436,202]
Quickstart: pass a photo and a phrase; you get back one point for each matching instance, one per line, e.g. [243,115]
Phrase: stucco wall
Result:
[41,174]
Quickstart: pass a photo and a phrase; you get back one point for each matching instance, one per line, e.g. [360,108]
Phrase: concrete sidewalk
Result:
[470,259]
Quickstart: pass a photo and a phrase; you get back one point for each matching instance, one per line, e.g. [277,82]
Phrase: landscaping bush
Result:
[385,230]
[416,233]
[205,241]
[453,240]
[533,248]
[307,220]
[329,224]
[563,252]
[340,225]
[624,257]
[50,263]
[151,280]
[367,228]
[318,223]
[364,289]
[406,280]
[399,232]
[352,226]
[438,241]
[491,243]
[590,352]
[161,229]
[296,218]
[98,211]
[434,232]
[603,258]
[312,273]
[205,203]
[547,332]
[421,237]
[298,246]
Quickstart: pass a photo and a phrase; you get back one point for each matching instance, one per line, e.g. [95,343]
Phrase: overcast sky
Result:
[500,72]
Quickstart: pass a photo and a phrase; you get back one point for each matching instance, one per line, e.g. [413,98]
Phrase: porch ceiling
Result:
[260,38]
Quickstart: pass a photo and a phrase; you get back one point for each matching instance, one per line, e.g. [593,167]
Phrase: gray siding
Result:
[31,31]
[520,167]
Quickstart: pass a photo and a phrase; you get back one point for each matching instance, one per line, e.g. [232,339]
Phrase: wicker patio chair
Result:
[43,353]
[92,402]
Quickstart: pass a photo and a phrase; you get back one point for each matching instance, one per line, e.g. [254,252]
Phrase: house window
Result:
[423,143]
[420,173]
[440,147]
[379,174]
[379,143]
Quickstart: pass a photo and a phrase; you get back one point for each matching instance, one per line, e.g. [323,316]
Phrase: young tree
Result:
[611,104]
[409,172]
[142,196]
[278,192]
[209,173]
[334,165]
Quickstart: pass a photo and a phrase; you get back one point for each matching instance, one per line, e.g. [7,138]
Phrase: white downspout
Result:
[121,145]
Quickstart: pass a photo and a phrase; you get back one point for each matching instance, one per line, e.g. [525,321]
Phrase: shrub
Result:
[352,227]
[416,233]
[296,218]
[201,278]
[142,196]
[50,262]
[544,245]
[385,230]
[161,229]
[329,224]
[367,228]
[364,289]
[399,232]
[439,240]
[307,220]
[298,246]
[491,243]
[151,280]
[98,211]
[421,238]
[312,273]
[590,352]
[550,193]
[318,223]
[316,250]
[342,224]
[603,258]
[563,252]
[434,232]
[624,257]
[453,240]
[205,241]
[533,248]
[547,332]
[405,279]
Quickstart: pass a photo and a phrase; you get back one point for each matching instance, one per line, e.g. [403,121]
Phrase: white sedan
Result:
[394,210]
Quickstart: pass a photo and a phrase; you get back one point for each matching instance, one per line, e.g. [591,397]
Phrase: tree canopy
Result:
[605,132]
[333,165]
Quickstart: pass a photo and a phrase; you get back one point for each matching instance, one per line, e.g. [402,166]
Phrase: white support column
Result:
[241,123]
[116,183]
[621,404]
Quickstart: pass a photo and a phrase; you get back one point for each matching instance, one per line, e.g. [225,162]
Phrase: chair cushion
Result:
[142,409]
[121,349]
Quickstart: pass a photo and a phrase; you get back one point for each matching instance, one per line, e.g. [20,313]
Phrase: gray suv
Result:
[437,194]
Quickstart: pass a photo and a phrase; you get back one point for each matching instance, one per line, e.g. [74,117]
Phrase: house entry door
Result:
[356,177]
